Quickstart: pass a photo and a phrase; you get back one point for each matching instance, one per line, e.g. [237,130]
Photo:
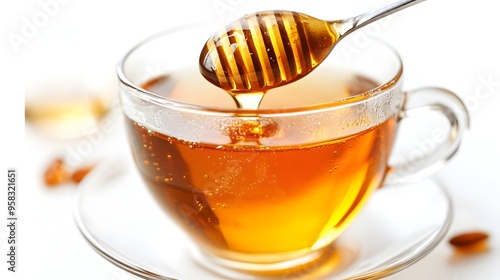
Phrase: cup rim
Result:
[164,101]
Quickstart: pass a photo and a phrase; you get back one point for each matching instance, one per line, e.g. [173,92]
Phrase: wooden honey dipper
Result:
[265,50]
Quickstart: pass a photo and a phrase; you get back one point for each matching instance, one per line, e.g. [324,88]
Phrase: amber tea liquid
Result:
[253,199]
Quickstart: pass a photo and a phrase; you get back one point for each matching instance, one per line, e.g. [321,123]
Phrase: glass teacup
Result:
[271,189]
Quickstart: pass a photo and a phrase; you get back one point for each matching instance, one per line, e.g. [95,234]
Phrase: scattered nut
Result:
[470,242]
[56,173]
[79,174]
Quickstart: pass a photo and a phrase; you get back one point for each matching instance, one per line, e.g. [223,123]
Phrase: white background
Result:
[453,44]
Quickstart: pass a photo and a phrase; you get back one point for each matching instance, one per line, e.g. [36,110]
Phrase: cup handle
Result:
[424,101]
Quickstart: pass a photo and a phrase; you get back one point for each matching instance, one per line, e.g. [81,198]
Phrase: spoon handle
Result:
[347,26]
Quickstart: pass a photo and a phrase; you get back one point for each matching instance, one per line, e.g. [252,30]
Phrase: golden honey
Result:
[266,50]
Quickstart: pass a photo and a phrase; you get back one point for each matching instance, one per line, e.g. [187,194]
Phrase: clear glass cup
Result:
[269,190]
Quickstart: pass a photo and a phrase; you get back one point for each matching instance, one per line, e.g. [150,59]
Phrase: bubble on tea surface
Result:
[249,129]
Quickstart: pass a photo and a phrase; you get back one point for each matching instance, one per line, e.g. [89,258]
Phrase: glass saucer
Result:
[121,221]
